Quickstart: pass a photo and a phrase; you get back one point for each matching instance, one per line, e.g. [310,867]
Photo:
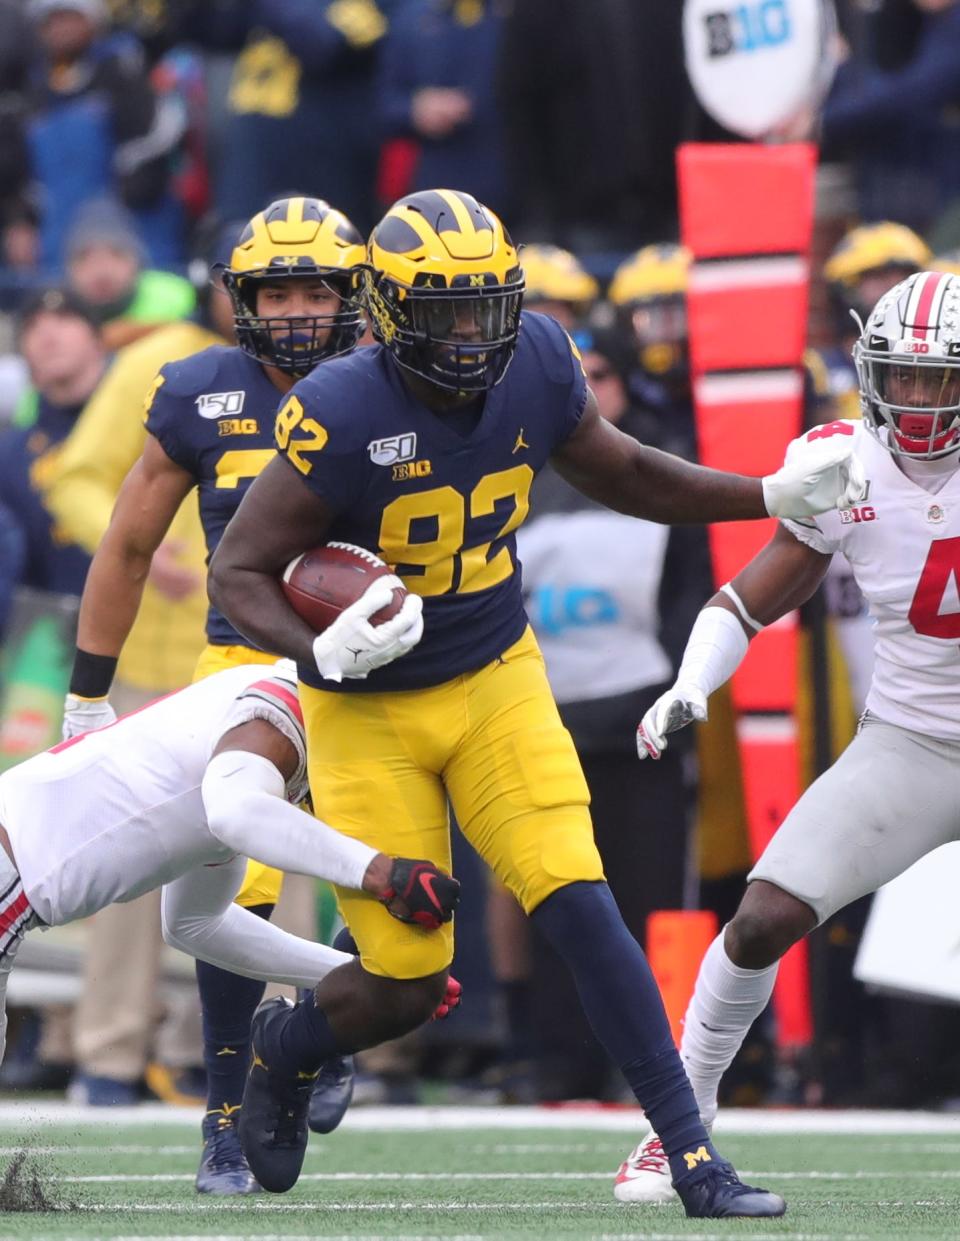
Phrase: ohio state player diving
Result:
[894,794]
[179,795]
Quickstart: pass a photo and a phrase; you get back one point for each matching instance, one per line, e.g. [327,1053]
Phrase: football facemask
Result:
[917,404]
[659,333]
[296,344]
[461,341]
[649,291]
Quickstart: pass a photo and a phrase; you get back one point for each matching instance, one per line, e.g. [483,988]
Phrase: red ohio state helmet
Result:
[908,366]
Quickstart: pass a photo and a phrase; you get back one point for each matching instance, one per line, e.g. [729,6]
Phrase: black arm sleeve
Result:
[146,135]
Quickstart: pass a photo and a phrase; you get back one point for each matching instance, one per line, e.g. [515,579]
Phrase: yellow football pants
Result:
[261,884]
[382,767]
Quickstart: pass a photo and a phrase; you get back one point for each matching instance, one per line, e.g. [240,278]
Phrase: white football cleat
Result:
[644,1175]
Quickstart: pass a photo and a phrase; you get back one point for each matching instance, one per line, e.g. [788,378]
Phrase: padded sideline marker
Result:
[746,214]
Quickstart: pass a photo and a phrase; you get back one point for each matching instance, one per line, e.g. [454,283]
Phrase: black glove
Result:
[420,893]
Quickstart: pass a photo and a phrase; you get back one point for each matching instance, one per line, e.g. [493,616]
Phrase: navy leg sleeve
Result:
[227,1003]
[622,1002]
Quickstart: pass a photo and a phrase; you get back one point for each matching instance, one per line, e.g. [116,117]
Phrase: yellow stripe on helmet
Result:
[410,241]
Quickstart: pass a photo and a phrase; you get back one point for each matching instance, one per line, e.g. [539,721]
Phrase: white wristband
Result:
[715,648]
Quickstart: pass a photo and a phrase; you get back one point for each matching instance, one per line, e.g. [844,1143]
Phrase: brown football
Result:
[320,583]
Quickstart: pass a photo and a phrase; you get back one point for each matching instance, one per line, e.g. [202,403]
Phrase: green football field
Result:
[465,1175]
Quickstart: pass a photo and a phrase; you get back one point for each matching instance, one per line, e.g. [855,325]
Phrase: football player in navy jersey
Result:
[295,285]
[424,449]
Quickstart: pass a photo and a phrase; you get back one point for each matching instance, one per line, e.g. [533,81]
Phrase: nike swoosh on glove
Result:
[678,707]
[421,893]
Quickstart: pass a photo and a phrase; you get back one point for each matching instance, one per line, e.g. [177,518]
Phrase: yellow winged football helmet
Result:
[444,290]
[649,291]
[297,238]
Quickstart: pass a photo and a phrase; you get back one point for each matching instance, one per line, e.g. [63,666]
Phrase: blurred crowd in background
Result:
[137,136]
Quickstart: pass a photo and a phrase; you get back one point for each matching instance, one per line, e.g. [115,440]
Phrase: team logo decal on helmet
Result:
[908,366]
[444,290]
[297,238]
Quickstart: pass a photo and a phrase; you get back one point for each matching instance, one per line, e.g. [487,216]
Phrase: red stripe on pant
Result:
[15,910]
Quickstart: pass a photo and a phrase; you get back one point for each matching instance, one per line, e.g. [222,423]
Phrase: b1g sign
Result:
[755,64]
[747,27]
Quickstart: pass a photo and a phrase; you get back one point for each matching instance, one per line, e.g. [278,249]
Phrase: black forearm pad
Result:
[92,675]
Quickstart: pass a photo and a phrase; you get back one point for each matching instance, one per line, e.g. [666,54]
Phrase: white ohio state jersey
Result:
[116,812]
[903,544]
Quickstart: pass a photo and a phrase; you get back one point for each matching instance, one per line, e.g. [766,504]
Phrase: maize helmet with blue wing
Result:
[297,239]
[649,291]
[868,261]
[444,290]
[557,283]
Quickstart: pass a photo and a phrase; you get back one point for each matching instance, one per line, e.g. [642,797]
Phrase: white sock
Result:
[726,1002]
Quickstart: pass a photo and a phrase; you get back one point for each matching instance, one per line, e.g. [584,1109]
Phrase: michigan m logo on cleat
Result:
[700,1155]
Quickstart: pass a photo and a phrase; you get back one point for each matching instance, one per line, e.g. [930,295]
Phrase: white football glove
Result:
[679,706]
[815,477]
[352,647]
[83,715]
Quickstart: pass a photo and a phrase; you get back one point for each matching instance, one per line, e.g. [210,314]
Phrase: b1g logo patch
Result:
[853,516]
[394,449]
[220,404]
[238,426]
[412,469]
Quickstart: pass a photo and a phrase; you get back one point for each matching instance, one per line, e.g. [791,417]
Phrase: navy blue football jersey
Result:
[440,506]
[213,414]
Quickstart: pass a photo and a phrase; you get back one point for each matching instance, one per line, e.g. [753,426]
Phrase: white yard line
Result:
[110,1149]
[121,1178]
[316,1209]
[468,1236]
[319,1151]
[28,1115]
[343,1236]
[131,1178]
